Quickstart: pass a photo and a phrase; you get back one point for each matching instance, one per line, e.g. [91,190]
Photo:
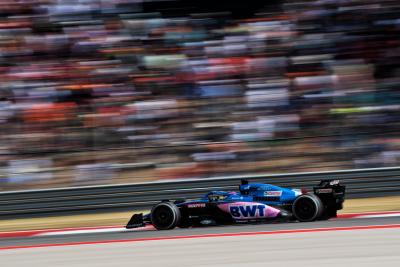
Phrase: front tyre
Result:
[307,208]
[165,216]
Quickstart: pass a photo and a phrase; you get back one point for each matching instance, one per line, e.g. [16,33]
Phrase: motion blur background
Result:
[115,91]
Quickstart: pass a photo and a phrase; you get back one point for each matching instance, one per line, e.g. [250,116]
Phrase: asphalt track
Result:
[352,242]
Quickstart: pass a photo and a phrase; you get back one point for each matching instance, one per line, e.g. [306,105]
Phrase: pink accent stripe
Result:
[368,227]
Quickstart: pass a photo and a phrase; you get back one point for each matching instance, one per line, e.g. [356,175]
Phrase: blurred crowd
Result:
[97,92]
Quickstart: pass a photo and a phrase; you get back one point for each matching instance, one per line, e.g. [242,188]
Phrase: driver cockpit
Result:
[214,196]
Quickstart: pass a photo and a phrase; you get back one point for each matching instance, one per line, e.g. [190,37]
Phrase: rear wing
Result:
[331,193]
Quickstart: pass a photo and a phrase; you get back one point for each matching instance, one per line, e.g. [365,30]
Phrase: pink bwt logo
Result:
[244,210]
[247,211]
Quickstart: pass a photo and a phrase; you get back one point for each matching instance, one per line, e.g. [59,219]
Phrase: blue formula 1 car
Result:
[253,203]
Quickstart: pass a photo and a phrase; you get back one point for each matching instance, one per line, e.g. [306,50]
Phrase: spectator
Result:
[289,86]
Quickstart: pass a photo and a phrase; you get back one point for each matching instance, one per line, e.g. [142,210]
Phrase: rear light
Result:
[304,191]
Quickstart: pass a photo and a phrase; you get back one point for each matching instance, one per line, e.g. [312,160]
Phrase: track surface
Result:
[119,236]
[373,247]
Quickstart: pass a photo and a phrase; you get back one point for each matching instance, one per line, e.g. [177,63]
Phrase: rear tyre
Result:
[165,216]
[307,208]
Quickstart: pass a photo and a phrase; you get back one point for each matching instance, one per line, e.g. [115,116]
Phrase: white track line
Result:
[60,232]
[378,215]
[95,231]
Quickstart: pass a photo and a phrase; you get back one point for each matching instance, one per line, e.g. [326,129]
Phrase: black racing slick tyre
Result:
[307,208]
[165,216]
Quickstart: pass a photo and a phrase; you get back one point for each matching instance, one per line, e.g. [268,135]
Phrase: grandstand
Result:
[99,92]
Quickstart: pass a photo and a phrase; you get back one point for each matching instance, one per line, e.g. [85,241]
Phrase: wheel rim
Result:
[163,217]
[305,209]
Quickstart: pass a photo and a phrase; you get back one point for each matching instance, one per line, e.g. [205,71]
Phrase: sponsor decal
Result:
[272,193]
[249,211]
[197,205]
[324,190]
